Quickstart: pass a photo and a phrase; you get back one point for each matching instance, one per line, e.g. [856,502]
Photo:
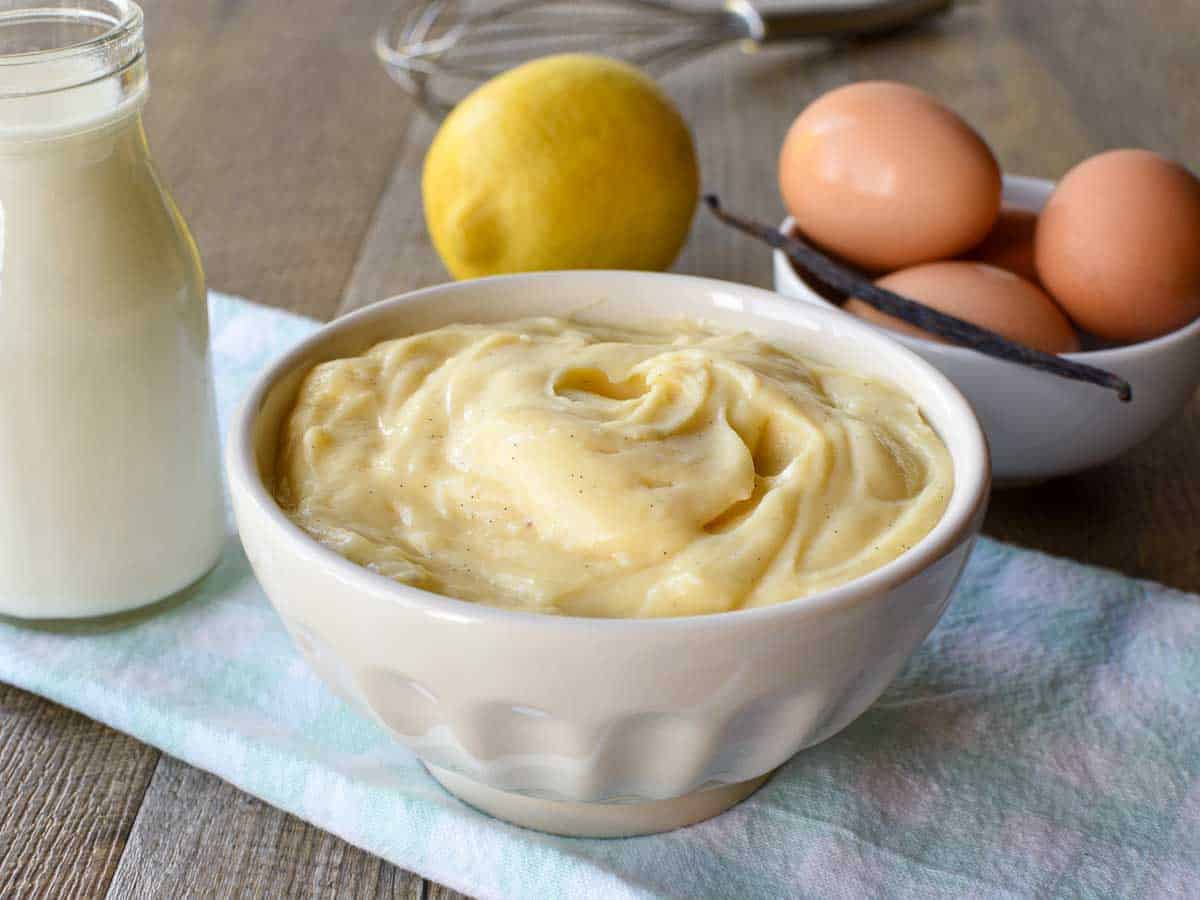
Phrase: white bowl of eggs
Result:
[1101,269]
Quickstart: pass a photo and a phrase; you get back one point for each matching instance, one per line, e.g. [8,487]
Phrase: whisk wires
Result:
[459,44]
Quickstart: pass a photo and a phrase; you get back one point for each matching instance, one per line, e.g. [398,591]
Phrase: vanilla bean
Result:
[846,280]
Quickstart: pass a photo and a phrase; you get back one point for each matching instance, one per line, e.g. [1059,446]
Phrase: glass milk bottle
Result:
[110,492]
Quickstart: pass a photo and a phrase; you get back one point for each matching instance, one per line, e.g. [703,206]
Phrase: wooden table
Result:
[297,163]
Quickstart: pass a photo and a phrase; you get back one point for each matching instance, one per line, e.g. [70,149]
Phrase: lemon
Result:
[566,162]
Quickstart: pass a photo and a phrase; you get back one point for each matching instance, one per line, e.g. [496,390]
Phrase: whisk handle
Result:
[830,20]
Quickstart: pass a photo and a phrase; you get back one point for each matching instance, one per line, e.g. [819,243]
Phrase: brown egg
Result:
[1118,245]
[885,176]
[981,294]
[1009,245]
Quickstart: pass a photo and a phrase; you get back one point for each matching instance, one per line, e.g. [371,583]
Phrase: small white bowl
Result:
[1040,426]
[603,726]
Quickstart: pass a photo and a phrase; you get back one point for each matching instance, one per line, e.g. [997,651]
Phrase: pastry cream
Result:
[557,467]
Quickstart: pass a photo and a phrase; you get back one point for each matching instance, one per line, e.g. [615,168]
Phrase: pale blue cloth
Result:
[1045,740]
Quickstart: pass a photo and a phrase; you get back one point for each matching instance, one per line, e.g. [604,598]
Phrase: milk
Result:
[110,493]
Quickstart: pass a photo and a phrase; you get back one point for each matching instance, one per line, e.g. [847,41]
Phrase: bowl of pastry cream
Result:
[604,549]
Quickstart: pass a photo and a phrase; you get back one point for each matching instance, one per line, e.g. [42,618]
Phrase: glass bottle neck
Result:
[68,69]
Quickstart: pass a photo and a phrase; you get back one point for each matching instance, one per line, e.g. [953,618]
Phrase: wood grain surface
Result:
[69,792]
[197,831]
[297,163]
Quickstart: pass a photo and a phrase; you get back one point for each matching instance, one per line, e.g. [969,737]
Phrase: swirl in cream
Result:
[559,467]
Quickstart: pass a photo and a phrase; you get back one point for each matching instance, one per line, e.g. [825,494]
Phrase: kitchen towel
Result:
[1045,740]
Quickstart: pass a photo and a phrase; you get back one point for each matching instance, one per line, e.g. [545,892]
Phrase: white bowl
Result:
[603,726]
[1040,426]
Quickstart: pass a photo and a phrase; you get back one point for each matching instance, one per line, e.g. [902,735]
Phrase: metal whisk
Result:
[444,48]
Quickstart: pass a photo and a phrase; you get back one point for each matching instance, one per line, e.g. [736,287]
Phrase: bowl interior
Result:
[630,297]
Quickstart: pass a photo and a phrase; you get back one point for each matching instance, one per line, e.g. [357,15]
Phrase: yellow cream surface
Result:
[558,467]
